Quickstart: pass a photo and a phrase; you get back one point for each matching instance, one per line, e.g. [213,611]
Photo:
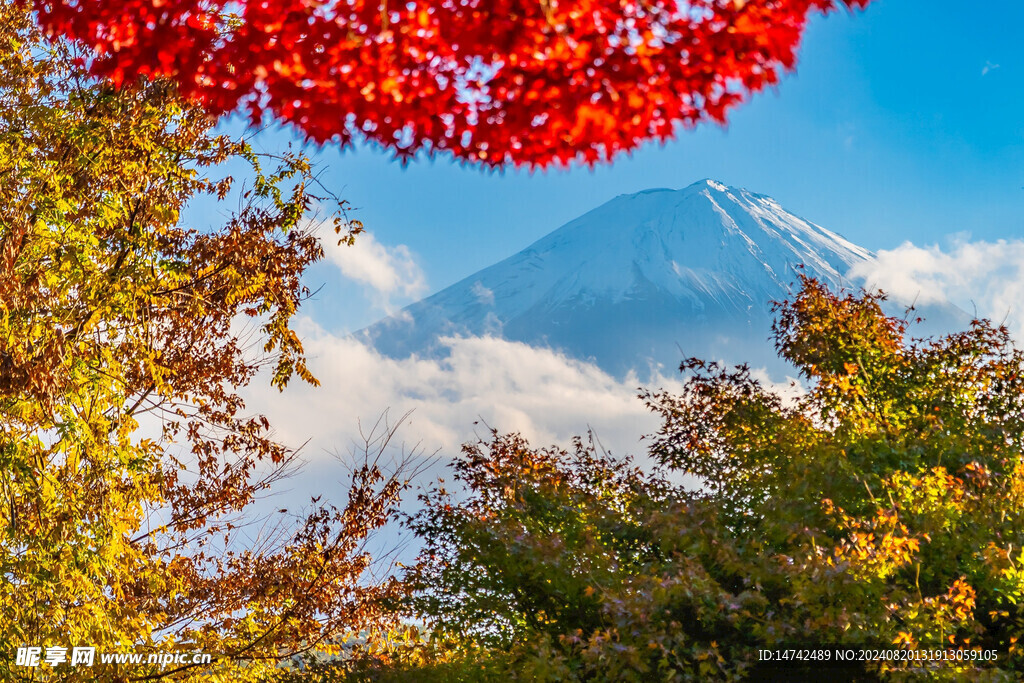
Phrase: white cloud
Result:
[389,272]
[484,382]
[507,385]
[483,294]
[986,277]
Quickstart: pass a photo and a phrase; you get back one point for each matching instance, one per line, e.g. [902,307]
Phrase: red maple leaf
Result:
[521,82]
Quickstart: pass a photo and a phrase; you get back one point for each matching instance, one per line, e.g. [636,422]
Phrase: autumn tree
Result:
[881,508]
[126,454]
[522,82]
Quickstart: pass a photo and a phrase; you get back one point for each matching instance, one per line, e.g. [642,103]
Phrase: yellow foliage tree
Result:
[112,314]
[880,510]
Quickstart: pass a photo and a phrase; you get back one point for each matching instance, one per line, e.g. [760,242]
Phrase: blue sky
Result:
[902,123]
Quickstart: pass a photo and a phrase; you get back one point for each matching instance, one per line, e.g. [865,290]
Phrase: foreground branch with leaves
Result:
[127,458]
[496,82]
[882,508]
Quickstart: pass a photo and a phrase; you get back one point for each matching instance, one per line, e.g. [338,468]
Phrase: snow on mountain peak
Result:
[636,277]
[705,239]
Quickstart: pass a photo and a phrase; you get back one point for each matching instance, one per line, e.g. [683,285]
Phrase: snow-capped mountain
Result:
[639,282]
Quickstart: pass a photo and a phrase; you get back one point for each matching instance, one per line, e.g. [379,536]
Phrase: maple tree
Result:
[524,82]
[883,508]
[127,458]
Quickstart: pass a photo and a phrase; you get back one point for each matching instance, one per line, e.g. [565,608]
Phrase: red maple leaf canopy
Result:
[499,82]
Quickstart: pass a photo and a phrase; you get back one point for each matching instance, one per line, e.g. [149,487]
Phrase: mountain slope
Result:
[641,281]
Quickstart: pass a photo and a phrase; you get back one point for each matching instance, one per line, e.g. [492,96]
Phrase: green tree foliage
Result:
[882,507]
[126,453]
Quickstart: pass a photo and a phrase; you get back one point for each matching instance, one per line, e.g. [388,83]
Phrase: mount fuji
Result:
[643,281]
